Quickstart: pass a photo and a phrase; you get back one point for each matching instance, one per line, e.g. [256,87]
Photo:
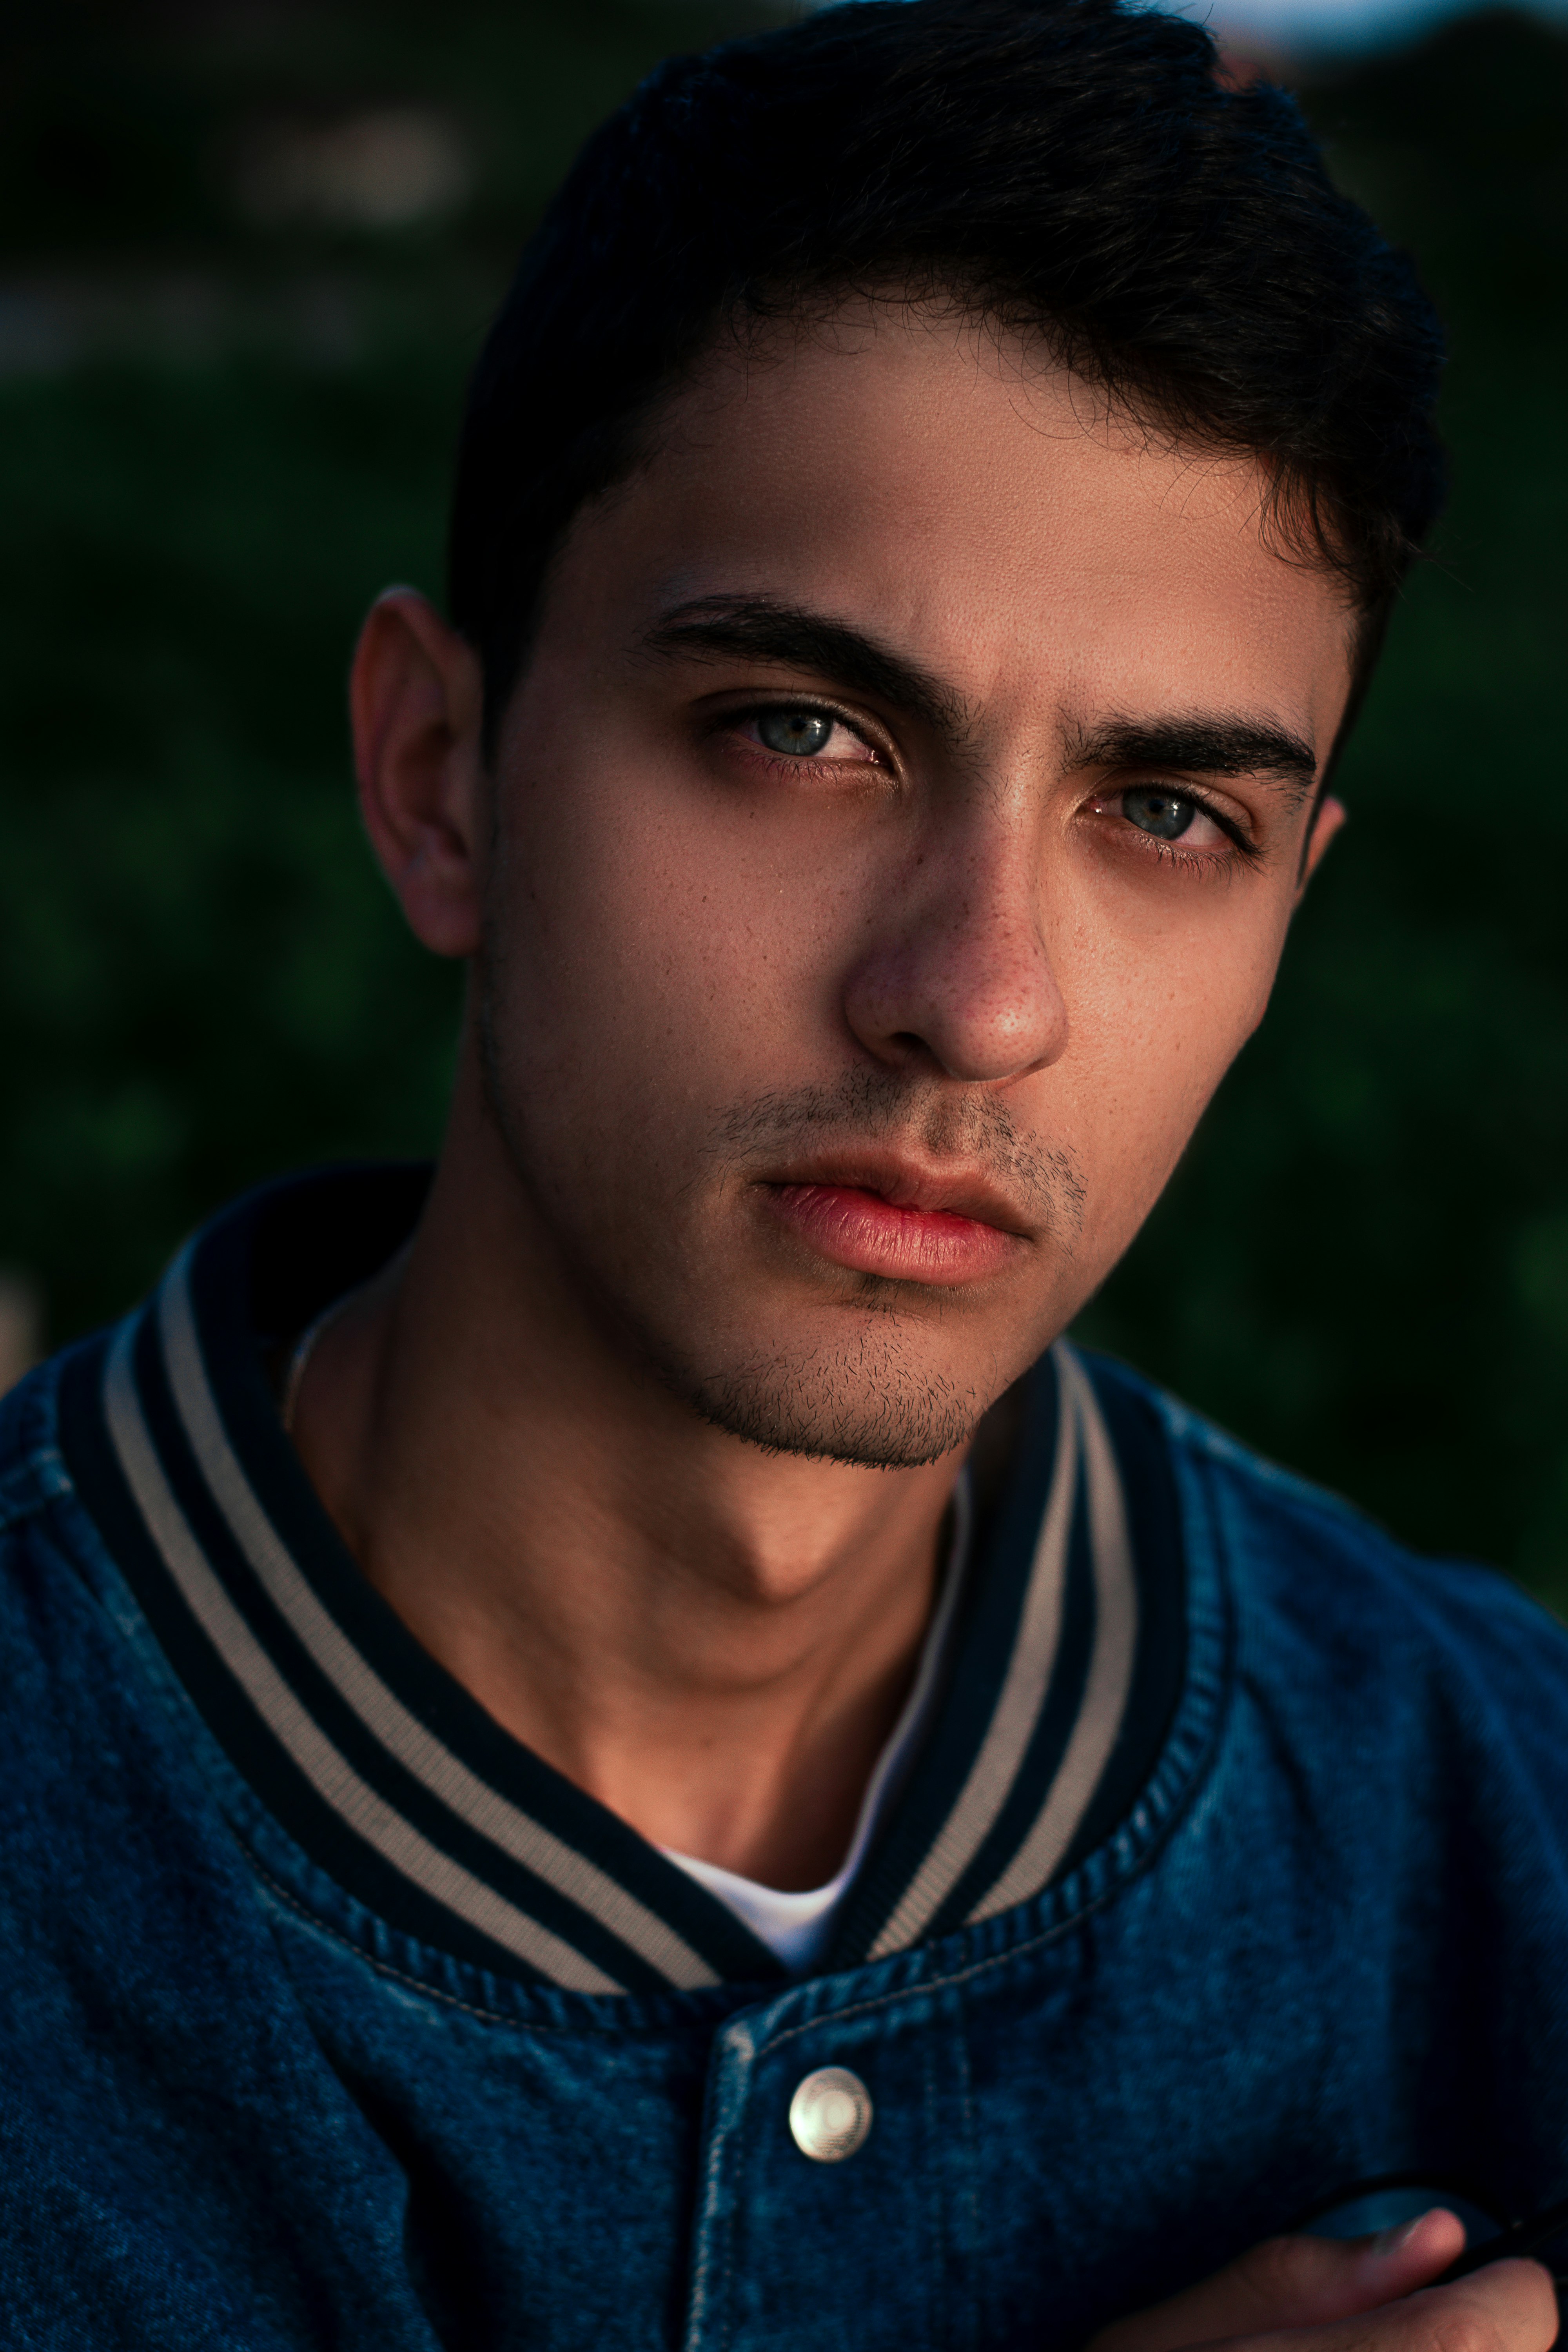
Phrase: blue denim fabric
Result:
[1330,1946]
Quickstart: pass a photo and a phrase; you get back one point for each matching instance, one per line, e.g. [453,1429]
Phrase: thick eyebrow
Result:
[1216,744]
[794,637]
[766,629]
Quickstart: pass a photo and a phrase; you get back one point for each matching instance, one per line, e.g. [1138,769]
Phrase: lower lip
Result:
[874,1235]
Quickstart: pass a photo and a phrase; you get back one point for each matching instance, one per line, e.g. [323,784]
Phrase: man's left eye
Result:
[1152,809]
[797,733]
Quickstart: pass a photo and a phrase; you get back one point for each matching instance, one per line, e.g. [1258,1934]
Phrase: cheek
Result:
[651,958]
[1174,962]
[1159,1009]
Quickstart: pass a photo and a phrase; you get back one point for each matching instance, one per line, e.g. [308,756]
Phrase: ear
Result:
[1327,819]
[416,698]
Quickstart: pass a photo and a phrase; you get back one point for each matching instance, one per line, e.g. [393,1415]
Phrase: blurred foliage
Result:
[219,438]
[222,433]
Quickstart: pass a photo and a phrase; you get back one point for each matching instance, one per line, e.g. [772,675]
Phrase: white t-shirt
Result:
[797,1927]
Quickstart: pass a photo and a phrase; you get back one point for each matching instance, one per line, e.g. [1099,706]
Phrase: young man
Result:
[617,1746]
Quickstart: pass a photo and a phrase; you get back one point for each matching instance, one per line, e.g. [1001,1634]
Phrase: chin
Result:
[873,1405]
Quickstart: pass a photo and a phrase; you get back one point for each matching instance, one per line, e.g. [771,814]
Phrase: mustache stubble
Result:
[877,1105]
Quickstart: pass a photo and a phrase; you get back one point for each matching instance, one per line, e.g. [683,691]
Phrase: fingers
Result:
[1509,2306]
[1296,2281]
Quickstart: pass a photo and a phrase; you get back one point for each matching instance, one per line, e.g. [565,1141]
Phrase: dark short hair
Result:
[1078,169]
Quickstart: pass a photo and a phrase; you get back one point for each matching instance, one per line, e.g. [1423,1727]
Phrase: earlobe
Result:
[1327,819]
[415,695]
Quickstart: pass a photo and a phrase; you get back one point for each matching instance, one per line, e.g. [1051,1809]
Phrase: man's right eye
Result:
[797,733]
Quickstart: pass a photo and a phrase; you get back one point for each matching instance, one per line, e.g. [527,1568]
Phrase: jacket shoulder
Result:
[33,1471]
[1320,1588]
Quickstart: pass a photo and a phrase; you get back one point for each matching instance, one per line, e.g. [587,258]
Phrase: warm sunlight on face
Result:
[896,829]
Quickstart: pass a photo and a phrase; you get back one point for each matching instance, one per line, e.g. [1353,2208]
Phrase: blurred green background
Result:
[248,253]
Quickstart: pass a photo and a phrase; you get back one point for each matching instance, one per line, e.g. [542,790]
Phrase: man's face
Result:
[895,832]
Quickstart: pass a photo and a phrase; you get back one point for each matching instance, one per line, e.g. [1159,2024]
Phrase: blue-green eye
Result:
[1152,809]
[799,733]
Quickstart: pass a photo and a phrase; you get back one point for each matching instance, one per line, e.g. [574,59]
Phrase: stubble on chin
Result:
[875,1401]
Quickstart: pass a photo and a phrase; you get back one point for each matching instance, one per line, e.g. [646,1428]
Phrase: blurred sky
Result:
[1343,25]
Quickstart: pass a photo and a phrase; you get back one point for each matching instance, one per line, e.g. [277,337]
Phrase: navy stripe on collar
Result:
[1061,1673]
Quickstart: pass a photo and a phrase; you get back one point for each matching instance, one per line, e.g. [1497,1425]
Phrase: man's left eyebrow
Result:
[1217,746]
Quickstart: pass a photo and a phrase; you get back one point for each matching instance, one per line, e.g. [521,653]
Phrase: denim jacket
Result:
[1322,1947]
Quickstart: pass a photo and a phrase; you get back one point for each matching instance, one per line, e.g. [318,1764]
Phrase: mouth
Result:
[900,1222]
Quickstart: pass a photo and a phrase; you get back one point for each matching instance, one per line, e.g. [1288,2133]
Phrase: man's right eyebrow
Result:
[1215,743]
[794,637]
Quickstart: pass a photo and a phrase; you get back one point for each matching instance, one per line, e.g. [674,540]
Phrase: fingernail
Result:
[1389,2242]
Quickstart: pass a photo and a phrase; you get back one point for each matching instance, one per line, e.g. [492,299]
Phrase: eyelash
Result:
[1202,864]
[1210,864]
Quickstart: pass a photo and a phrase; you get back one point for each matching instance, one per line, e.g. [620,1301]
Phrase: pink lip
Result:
[865,1230]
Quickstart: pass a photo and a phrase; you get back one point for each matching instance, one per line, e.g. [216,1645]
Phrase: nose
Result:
[957,969]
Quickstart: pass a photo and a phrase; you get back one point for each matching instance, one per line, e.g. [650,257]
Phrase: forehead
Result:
[982,509]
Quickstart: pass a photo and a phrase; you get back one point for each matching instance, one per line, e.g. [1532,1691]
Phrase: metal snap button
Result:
[831,2115]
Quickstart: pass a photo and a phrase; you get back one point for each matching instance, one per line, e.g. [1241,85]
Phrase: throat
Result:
[718,1646]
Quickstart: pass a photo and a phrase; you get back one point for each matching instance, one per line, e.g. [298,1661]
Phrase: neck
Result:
[713,1641]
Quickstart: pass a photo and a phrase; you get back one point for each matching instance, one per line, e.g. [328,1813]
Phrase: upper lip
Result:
[906,1183]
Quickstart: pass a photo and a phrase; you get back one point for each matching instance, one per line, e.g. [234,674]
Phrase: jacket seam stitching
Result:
[948,1984]
[386,1967]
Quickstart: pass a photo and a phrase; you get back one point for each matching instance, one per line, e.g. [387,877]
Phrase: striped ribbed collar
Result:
[1061,1670]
